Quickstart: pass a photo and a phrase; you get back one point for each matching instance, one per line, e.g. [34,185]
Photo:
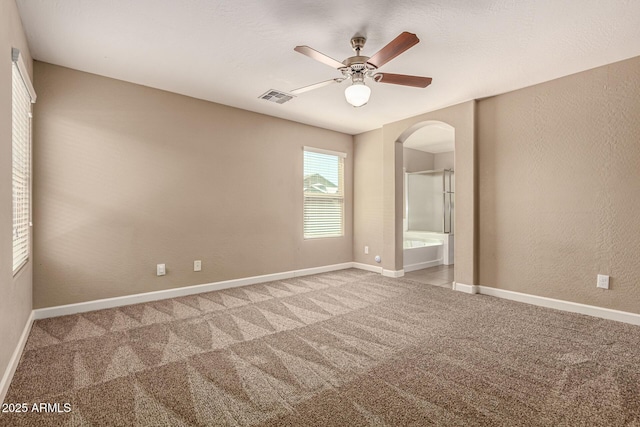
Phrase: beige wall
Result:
[128,176]
[559,187]
[15,292]
[443,160]
[416,160]
[367,196]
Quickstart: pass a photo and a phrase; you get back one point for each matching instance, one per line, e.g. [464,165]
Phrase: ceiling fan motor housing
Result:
[356,66]
[356,63]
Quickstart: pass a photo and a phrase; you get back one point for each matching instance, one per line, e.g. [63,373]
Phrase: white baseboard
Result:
[15,358]
[422,265]
[574,307]
[318,270]
[368,267]
[467,289]
[82,307]
[392,273]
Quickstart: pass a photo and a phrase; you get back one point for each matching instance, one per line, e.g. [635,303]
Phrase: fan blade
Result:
[402,79]
[318,56]
[315,86]
[395,47]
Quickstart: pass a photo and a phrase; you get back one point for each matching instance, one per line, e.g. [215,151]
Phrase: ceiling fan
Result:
[359,68]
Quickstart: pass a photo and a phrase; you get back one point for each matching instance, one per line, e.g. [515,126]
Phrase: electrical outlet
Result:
[161,270]
[366,250]
[603,281]
[197,265]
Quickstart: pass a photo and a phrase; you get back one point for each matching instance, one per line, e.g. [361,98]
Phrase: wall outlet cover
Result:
[603,281]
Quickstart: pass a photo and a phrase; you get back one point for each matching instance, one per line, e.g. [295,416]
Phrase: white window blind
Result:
[22,96]
[323,193]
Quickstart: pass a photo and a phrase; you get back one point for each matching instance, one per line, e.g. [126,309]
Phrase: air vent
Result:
[276,96]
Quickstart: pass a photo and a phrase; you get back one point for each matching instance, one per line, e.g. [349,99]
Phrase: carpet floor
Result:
[347,348]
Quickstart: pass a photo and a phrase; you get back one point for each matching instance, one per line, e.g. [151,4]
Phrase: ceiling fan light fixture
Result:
[357,94]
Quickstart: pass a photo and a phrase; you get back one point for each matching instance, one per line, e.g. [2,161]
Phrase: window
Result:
[22,95]
[323,193]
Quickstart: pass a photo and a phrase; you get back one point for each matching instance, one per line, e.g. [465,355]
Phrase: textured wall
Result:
[367,196]
[416,160]
[443,160]
[15,292]
[128,176]
[559,187]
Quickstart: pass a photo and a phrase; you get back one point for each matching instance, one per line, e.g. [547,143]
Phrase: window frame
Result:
[339,195]
[21,161]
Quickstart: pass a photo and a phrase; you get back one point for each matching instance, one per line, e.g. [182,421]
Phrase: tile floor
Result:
[441,275]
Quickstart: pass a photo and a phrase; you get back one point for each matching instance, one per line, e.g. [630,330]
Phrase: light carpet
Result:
[346,348]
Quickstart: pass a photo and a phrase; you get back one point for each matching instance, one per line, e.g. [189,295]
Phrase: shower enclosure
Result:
[430,199]
[429,226]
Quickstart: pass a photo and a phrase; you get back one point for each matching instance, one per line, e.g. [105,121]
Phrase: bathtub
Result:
[424,249]
[420,243]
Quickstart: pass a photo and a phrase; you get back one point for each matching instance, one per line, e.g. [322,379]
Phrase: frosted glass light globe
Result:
[357,94]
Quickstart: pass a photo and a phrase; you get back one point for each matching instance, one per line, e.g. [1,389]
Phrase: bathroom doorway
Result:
[429,204]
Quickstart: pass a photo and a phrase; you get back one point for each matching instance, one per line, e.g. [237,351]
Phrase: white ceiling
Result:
[232,51]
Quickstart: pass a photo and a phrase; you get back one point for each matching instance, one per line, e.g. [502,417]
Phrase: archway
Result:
[428,193]
[462,118]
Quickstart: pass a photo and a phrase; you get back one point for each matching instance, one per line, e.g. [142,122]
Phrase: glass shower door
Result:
[430,201]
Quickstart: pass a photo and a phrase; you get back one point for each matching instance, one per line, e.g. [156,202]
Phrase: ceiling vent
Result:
[276,96]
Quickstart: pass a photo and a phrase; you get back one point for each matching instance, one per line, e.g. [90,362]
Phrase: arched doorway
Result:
[462,118]
[428,209]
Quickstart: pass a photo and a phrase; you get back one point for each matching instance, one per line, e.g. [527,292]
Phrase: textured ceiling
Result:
[232,51]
